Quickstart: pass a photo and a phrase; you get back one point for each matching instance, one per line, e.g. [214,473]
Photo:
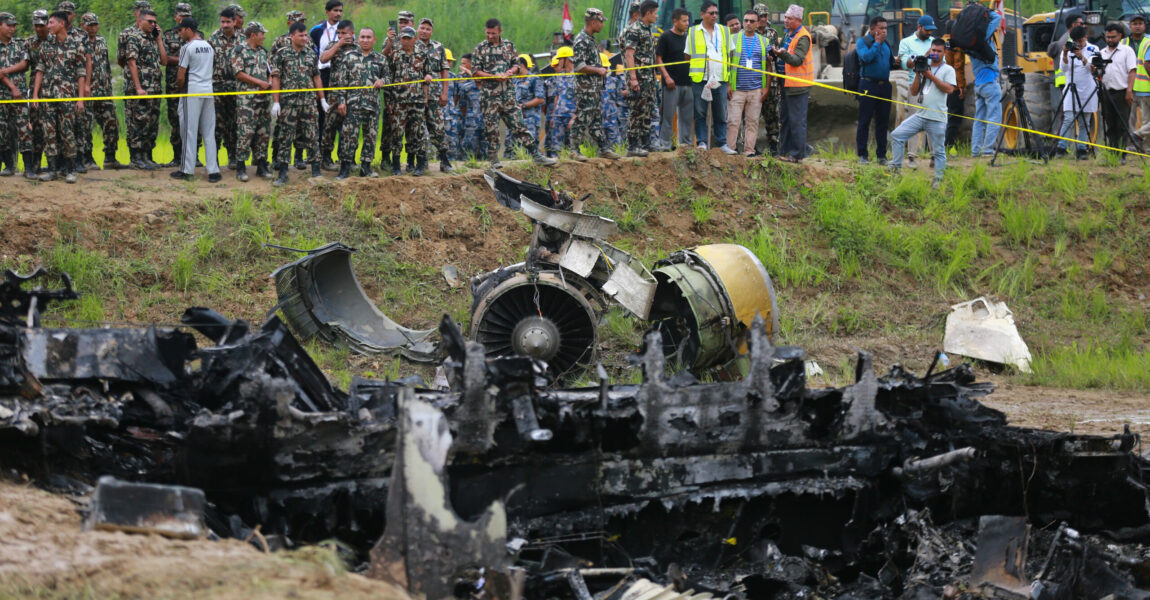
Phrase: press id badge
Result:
[749,64]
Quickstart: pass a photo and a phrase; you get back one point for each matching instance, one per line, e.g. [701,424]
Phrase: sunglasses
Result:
[712,12]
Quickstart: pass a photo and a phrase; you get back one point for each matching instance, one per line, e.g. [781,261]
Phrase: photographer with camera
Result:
[1119,67]
[1079,101]
[933,81]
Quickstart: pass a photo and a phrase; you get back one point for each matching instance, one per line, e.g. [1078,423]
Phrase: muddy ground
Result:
[43,552]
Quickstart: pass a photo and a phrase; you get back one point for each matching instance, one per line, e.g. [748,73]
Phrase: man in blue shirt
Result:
[874,81]
[987,96]
[748,85]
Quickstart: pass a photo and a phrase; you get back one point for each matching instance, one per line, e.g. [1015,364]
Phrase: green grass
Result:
[1092,365]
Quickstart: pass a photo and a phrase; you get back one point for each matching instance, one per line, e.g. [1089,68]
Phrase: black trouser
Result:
[877,108]
[1116,120]
[956,106]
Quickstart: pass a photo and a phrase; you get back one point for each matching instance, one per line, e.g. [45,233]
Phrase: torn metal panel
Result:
[1000,563]
[136,355]
[319,294]
[168,510]
[985,330]
[591,227]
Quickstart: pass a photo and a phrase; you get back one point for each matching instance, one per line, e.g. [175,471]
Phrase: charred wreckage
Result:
[505,485]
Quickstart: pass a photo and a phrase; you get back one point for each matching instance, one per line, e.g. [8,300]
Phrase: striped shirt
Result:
[746,78]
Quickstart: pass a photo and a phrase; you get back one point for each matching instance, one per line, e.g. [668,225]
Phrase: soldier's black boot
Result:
[315,172]
[89,160]
[8,162]
[300,163]
[445,165]
[71,166]
[410,163]
[282,178]
[420,165]
[366,170]
[146,159]
[30,164]
[241,171]
[263,171]
[77,165]
[49,172]
[344,170]
[395,170]
[110,161]
[328,165]
[539,159]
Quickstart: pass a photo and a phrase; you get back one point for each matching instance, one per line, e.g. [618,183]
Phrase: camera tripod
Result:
[1023,120]
[1079,109]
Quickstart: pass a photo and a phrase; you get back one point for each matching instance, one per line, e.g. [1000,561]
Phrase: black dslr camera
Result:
[1098,65]
[1072,46]
[921,64]
[1014,75]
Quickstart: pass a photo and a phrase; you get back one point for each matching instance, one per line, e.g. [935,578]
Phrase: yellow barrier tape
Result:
[908,104]
[312,90]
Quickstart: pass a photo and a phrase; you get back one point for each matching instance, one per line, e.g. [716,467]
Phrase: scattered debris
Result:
[169,510]
[451,276]
[985,330]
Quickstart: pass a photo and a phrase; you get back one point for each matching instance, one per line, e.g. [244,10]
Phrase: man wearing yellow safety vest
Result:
[796,61]
[707,46]
[1141,45]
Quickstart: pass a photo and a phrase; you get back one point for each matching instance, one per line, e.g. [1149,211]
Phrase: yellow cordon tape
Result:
[440,80]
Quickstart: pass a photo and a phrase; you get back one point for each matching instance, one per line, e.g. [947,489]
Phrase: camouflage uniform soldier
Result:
[358,66]
[172,46]
[589,88]
[614,126]
[495,57]
[530,96]
[295,68]
[101,112]
[770,109]
[127,32]
[408,64]
[391,45]
[60,73]
[284,41]
[143,55]
[82,122]
[253,111]
[15,134]
[436,102]
[223,80]
[474,140]
[32,47]
[639,50]
[561,90]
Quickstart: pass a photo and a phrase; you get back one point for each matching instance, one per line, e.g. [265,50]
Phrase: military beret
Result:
[183,9]
[254,27]
[7,18]
[89,19]
[66,6]
[296,16]
[40,17]
[593,13]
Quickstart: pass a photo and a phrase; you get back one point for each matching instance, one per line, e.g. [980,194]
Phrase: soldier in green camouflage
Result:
[15,125]
[100,112]
[284,41]
[589,88]
[32,45]
[60,73]
[297,118]
[409,65]
[143,55]
[172,45]
[223,80]
[436,93]
[357,65]
[82,123]
[770,109]
[495,58]
[638,45]
[125,33]
[404,18]
[253,111]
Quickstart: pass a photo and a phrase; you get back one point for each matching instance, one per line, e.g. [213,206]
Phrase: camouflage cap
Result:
[141,4]
[89,18]
[40,17]
[593,13]
[7,18]
[239,10]
[407,32]
[407,14]
[254,27]
[761,9]
[183,9]
[635,6]
[427,20]
[296,16]
[66,6]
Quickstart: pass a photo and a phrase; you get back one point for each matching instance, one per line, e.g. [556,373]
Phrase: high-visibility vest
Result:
[1059,78]
[1141,81]
[737,59]
[804,74]
[697,45]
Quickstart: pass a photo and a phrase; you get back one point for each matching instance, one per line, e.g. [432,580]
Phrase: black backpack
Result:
[969,32]
[851,69]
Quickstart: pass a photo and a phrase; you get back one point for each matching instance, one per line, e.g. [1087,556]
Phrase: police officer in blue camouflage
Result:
[561,97]
[614,105]
[452,121]
[472,142]
[530,94]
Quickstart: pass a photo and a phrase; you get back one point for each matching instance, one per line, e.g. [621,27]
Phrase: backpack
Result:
[969,32]
[851,71]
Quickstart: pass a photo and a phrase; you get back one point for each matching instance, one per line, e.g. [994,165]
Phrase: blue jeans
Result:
[718,114]
[1068,123]
[988,108]
[935,130]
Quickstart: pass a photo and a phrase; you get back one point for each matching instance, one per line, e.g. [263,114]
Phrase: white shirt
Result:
[933,98]
[196,56]
[326,37]
[1117,75]
[1081,78]
[716,53]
